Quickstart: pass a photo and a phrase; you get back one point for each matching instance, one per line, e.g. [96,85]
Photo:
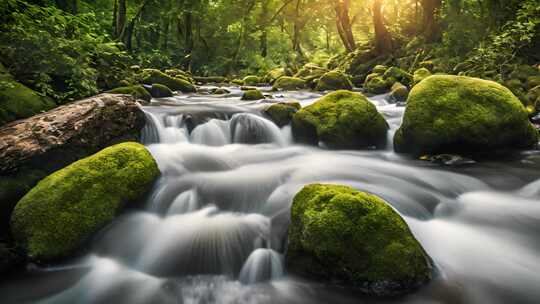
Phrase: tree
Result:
[383,40]
[343,24]
[431,26]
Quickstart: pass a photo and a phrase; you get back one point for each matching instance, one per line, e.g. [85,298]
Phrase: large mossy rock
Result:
[274,74]
[252,95]
[282,113]
[333,80]
[63,210]
[352,238]
[151,76]
[18,101]
[420,75]
[251,80]
[160,91]
[137,91]
[463,115]
[289,83]
[341,119]
[32,148]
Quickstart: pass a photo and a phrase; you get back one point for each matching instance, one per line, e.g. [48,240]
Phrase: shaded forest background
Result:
[68,49]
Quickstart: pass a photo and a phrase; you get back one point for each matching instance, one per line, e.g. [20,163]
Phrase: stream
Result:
[213,229]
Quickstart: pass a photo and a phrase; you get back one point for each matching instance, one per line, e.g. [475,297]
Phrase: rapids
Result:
[214,228]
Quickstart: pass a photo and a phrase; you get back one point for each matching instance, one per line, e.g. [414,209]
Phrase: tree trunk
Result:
[188,39]
[383,40]
[343,24]
[296,30]
[69,6]
[165,36]
[121,17]
[431,27]
[115,13]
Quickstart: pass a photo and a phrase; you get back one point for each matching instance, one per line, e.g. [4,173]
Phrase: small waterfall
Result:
[262,265]
[252,129]
[213,133]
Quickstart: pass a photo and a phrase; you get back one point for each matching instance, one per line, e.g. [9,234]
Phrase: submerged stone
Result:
[63,210]
[353,238]
[252,95]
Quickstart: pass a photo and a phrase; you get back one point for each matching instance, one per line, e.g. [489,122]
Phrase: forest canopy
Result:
[69,49]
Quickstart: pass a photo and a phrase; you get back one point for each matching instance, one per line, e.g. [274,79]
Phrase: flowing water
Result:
[214,227]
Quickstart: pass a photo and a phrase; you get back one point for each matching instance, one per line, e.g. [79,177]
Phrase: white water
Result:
[214,227]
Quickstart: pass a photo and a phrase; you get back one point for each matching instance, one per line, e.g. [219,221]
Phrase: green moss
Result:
[341,119]
[274,74]
[310,70]
[533,81]
[463,115]
[18,101]
[376,84]
[342,235]
[136,91]
[289,83]
[151,76]
[237,81]
[399,92]
[394,74]
[427,64]
[281,113]
[420,75]
[379,69]
[63,210]
[251,80]
[220,91]
[252,95]
[179,74]
[159,91]
[333,80]
[522,72]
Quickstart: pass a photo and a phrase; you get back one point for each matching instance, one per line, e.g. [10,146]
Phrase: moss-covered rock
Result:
[63,210]
[159,91]
[341,119]
[533,81]
[252,95]
[399,92]
[282,113]
[395,74]
[137,91]
[379,69]
[376,84]
[333,80]
[420,75]
[251,80]
[310,70]
[151,76]
[353,238]
[220,91]
[427,64]
[274,74]
[463,115]
[237,81]
[289,83]
[18,101]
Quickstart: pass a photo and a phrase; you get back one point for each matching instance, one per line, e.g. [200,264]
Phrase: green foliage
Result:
[58,54]
[355,238]
[67,207]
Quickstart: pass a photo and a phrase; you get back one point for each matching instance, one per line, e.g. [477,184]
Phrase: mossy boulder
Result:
[463,115]
[160,91]
[151,76]
[533,81]
[420,75]
[282,113]
[399,92]
[220,91]
[395,74]
[251,80]
[252,95]
[237,81]
[379,69]
[18,101]
[63,210]
[333,80]
[310,70]
[274,74]
[376,84]
[341,235]
[289,83]
[341,119]
[137,91]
